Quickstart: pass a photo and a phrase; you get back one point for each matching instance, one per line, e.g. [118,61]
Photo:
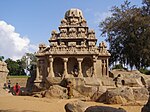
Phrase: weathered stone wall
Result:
[21,81]
[3,73]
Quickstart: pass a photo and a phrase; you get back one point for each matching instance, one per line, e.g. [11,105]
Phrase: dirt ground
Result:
[10,103]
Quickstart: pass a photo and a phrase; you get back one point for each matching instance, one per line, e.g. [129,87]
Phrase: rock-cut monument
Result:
[72,52]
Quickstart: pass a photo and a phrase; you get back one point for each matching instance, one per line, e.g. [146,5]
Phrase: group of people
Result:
[15,90]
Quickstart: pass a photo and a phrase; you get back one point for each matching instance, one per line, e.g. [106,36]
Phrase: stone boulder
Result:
[103,109]
[87,90]
[116,100]
[99,95]
[146,108]
[107,81]
[76,106]
[125,95]
[56,91]
[119,95]
[140,94]
[53,80]
[130,78]
[80,106]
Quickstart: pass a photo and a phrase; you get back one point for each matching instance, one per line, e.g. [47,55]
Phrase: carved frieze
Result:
[53,35]
[72,32]
[81,32]
[63,32]
[91,34]
[64,22]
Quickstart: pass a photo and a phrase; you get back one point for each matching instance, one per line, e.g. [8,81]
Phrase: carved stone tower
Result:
[72,51]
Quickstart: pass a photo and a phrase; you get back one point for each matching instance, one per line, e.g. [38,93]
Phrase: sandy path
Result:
[31,104]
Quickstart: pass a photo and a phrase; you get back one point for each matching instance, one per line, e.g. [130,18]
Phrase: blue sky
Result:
[33,20]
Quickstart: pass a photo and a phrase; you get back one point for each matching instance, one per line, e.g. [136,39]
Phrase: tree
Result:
[15,67]
[128,34]
[1,58]
[29,61]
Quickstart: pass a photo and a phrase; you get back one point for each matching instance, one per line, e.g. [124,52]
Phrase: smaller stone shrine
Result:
[3,73]
[72,52]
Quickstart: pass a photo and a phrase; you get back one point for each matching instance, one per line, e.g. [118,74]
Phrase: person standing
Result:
[16,89]
[9,84]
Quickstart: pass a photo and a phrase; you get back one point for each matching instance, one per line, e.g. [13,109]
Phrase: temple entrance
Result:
[72,66]
[58,66]
[87,67]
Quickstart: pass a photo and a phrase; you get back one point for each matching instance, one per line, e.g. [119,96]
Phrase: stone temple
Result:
[72,52]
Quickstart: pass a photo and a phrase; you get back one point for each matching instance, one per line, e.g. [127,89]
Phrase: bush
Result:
[145,71]
[118,66]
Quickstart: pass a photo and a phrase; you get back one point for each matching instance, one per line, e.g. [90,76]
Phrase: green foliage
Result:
[1,58]
[144,71]
[128,34]
[15,67]
[119,66]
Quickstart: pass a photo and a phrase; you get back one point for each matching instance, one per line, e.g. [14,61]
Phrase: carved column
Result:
[51,73]
[65,67]
[100,63]
[94,69]
[94,66]
[107,68]
[37,71]
[104,68]
[80,68]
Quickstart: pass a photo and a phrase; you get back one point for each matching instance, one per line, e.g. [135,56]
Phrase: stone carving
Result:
[81,32]
[91,34]
[74,21]
[72,32]
[54,34]
[63,32]
[103,47]
[42,46]
[64,22]
[83,22]
[74,43]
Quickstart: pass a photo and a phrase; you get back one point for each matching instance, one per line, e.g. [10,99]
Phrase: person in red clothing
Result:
[16,89]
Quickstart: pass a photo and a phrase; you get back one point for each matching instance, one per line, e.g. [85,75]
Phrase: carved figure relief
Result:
[81,32]
[91,34]
[63,32]
[83,22]
[73,21]
[103,47]
[64,22]
[72,32]
[54,34]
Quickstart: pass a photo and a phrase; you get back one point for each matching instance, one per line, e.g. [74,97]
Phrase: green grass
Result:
[18,77]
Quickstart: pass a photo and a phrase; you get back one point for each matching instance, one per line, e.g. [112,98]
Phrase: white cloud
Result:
[12,45]
[99,17]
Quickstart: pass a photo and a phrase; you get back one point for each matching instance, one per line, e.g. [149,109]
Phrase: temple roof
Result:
[74,13]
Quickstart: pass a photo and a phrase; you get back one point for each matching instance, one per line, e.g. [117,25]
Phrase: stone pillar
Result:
[65,67]
[80,68]
[104,68]
[107,68]
[94,67]
[37,71]
[100,63]
[51,72]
